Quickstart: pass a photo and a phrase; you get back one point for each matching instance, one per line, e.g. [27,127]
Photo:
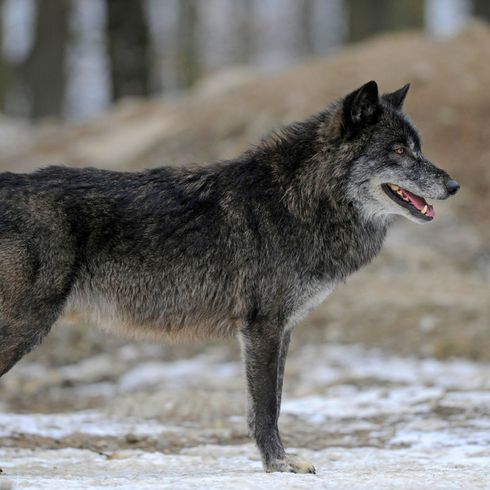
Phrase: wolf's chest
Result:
[308,300]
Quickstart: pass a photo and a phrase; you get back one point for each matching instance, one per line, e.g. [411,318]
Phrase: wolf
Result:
[245,247]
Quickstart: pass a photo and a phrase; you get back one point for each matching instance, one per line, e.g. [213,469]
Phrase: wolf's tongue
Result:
[419,202]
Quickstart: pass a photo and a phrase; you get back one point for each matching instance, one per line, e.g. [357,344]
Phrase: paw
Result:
[290,464]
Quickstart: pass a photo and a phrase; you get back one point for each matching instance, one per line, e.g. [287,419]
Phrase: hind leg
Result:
[19,335]
[32,295]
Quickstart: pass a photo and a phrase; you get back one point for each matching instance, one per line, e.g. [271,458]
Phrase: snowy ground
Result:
[363,418]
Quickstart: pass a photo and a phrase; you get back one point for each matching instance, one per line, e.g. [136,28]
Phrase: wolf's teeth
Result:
[424,209]
[394,187]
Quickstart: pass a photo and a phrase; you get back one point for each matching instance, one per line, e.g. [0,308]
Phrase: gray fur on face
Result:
[381,164]
[245,247]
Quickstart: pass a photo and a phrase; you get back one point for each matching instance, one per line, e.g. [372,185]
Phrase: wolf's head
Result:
[389,173]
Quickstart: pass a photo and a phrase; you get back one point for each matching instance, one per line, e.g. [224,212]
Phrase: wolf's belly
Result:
[165,321]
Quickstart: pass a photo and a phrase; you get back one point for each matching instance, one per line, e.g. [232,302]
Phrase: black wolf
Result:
[245,247]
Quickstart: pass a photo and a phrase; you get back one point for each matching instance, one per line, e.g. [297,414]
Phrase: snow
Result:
[362,403]
[225,467]
[365,419]
[154,373]
[86,422]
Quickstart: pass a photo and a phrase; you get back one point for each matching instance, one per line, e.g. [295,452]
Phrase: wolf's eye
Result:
[399,150]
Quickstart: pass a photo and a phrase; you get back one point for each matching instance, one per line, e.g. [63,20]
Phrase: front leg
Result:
[285,340]
[263,351]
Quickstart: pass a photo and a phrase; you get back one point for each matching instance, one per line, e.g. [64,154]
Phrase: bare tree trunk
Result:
[43,71]
[5,74]
[244,19]
[481,8]
[305,27]
[368,17]
[129,48]
[188,68]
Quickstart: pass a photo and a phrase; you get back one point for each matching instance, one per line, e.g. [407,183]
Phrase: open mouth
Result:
[417,205]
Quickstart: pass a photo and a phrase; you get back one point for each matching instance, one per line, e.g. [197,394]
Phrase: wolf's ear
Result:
[397,97]
[361,108]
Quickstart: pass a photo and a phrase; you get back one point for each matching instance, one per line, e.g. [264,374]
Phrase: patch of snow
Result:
[86,422]
[363,403]
[225,467]
[154,373]
[357,362]
[376,421]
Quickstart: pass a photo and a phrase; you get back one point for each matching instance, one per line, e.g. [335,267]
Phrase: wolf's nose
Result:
[452,187]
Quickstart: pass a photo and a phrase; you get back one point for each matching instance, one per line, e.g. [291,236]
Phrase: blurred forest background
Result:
[74,58]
